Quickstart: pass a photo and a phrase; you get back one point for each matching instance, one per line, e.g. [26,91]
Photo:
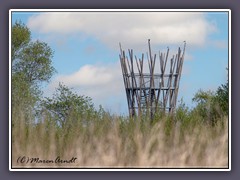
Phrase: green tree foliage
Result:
[205,105]
[212,105]
[65,105]
[31,64]
[20,37]
[222,97]
[35,62]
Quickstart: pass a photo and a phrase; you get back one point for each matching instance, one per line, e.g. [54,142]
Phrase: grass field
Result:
[112,141]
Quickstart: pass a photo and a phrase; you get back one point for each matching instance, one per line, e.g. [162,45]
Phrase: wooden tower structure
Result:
[148,91]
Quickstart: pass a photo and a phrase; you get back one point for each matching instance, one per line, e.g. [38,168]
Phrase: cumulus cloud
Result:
[100,82]
[89,75]
[131,28]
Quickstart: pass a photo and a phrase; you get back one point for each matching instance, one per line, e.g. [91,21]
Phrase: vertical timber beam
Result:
[180,72]
[125,76]
[151,80]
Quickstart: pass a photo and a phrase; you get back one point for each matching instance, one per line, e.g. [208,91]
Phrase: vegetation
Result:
[110,141]
[68,125]
[65,103]
[31,65]
[211,106]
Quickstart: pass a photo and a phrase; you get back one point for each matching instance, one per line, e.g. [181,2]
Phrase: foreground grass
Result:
[118,142]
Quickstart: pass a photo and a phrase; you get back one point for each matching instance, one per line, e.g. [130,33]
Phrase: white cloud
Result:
[89,75]
[102,83]
[132,29]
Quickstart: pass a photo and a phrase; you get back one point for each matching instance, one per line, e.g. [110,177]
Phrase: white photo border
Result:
[123,168]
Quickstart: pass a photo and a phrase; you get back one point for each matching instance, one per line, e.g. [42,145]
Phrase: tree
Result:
[31,65]
[222,97]
[207,107]
[21,36]
[65,103]
[203,97]
[212,105]
[32,59]
[34,62]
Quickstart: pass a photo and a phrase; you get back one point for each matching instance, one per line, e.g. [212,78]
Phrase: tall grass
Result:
[113,141]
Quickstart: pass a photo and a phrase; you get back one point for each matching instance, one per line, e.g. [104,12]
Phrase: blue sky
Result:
[86,52]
